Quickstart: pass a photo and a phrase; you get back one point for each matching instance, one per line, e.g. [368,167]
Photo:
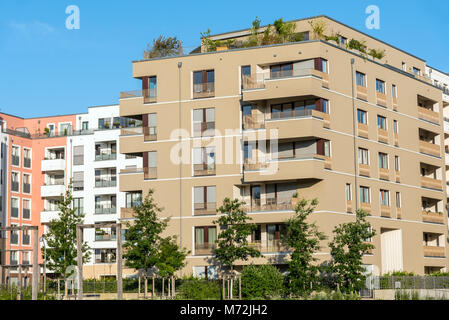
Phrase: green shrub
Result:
[264,281]
[199,289]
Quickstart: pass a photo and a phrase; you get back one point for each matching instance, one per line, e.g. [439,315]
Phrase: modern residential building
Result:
[313,118]
[40,157]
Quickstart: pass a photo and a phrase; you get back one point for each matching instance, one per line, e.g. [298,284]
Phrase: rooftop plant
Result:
[163,47]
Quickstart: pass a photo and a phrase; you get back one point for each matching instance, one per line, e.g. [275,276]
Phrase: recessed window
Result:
[363,156]
[360,79]
[348,192]
[380,86]
[364,194]
[382,122]
[383,160]
[384,198]
[362,116]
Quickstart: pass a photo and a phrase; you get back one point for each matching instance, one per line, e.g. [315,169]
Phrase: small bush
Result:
[264,281]
[199,289]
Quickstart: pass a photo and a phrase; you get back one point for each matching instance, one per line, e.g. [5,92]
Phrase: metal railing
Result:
[204,90]
[105,210]
[410,282]
[258,80]
[15,186]
[106,183]
[26,239]
[205,208]
[149,95]
[106,156]
[204,169]
[105,237]
[280,204]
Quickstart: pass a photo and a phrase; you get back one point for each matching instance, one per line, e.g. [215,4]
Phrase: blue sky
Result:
[46,69]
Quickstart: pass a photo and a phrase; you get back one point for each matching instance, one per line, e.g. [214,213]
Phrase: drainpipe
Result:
[180,162]
[354,134]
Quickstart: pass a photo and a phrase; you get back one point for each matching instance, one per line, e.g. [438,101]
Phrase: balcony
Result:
[382,135]
[105,237]
[431,183]
[301,83]
[105,210]
[286,204]
[204,90]
[385,211]
[362,130]
[362,93]
[204,169]
[429,148]
[381,99]
[105,156]
[253,122]
[301,167]
[147,95]
[149,133]
[269,246]
[48,215]
[204,248]
[364,170]
[106,183]
[428,115]
[150,173]
[53,165]
[308,123]
[384,174]
[432,217]
[201,209]
[434,252]
[52,190]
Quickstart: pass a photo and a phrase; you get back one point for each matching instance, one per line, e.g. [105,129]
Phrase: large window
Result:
[383,160]
[380,86]
[26,183]
[394,91]
[78,204]
[78,155]
[15,182]
[363,156]
[15,208]
[362,116]
[203,83]
[133,199]
[364,194]
[382,122]
[204,122]
[360,79]
[15,156]
[105,255]
[205,200]
[205,238]
[204,161]
[348,192]
[78,181]
[385,198]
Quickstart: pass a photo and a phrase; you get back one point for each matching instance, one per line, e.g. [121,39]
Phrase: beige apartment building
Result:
[311,118]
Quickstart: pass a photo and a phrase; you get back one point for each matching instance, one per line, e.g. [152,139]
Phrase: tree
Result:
[144,246]
[347,249]
[303,238]
[61,251]
[232,243]
[262,282]
[170,259]
[163,47]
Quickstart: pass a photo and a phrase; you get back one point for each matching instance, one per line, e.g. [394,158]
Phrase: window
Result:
[150,165]
[395,126]
[360,79]
[104,123]
[348,192]
[133,199]
[15,182]
[15,208]
[416,71]
[26,209]
[106,234]
[246,76]
[383,160]
[151,131]
[363,156]
[398,199]
[404,66]
[204,161]
[382,122]
[281,70]
[149,85]
[105,255]
[203,83]
[204,122]
[15,156]
[26,239]
[26,183]
[362,116]
[324,66]
[343,41]
[385,198]
[380,86]
[14,257]
[26,257]
[205,200]
[205,238]
[396,163]
[394,91]
[78,155]
[78,181]
[85,126]
[364,195]
[26,158]
[78,204]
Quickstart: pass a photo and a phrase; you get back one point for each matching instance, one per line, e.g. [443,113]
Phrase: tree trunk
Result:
[152,295]
[66,289]
[224,289]
[173,284]
[59,290]
[163,284]
[139,288]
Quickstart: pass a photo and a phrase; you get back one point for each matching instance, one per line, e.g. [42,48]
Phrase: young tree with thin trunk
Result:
[303,239]
[232,243]
[61,251]
[349,245]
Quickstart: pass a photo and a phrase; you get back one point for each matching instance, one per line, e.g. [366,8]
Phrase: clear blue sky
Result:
[46,69]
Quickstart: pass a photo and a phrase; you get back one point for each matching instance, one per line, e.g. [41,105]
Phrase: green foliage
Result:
[438,274]
[347,249]
[163,47]
[399,274]
[61,250]
[376,54]
[263,281]
[336,295]
[318,28]
[358,45]
[170,258]
[304,240]
[11,293]
[232,243]
[199,289]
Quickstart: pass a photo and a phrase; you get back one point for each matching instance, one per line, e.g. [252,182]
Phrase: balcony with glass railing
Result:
[203,90]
